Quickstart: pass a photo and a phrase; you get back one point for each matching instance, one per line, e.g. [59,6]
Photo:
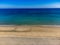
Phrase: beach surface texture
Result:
[30,30]
[29,35]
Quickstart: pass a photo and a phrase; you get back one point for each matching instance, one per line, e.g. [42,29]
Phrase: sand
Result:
[30,31]
[29,35]
[29,41]
[29,28]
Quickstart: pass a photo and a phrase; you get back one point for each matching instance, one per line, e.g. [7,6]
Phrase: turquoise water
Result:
[29,16]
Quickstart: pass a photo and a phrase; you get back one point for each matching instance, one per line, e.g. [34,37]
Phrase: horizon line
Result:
[28,8]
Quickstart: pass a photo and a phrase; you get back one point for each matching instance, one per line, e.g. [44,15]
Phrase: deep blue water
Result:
[42,16]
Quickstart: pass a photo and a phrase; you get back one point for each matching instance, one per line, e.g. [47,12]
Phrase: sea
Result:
[30,16]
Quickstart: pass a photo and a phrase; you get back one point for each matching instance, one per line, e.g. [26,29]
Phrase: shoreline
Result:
[32,31]
[32,25]
[29,28]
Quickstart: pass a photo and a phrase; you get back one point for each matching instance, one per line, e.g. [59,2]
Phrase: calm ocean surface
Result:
[41,16]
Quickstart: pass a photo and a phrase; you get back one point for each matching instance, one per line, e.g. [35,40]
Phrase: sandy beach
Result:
[30,31]
[28,28]
[29,34]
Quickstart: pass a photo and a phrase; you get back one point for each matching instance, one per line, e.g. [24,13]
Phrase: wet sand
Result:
[29,28]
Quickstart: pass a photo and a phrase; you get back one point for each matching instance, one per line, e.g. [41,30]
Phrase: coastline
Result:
[29,31]
[28,28]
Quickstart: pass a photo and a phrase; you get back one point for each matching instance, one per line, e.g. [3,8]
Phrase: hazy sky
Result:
[29,3]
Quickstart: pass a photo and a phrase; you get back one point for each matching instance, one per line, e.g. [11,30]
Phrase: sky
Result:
[29,3]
